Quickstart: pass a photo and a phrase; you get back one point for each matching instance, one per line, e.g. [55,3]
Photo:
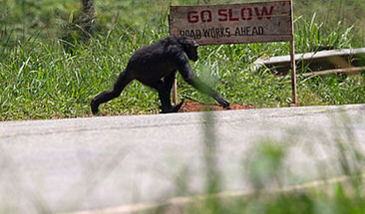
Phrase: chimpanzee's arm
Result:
[186,72]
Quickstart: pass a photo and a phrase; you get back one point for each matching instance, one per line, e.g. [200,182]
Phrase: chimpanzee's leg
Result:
[164,95]
[122,81]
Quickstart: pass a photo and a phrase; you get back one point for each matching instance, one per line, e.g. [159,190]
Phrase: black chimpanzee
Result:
[154,62]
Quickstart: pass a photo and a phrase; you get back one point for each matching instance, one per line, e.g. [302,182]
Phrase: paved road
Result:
[91,163]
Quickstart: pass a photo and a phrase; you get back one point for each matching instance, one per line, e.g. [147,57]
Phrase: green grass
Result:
[48,71]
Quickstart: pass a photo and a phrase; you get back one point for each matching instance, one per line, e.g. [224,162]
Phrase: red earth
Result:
[197,106]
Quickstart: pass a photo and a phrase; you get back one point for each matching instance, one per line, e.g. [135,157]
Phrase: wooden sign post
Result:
[235,24]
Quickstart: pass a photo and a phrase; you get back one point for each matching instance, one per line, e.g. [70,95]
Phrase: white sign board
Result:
[233,23]
[237,23]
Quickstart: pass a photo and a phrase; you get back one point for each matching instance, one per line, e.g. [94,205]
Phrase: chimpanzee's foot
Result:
[94,107]
[174,108]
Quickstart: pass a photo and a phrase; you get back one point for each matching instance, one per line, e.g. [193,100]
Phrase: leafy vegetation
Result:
[47,71]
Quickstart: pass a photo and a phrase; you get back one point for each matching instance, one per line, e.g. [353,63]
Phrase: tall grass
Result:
[47,72]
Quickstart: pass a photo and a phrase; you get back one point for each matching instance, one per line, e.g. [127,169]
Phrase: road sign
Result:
[236,23]
[233,23]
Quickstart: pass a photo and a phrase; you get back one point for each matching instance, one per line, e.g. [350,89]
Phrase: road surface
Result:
[52,166]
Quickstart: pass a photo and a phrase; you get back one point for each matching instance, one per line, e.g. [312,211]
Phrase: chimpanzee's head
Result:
[190,48]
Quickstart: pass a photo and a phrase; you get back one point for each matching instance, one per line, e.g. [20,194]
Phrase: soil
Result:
[197,106]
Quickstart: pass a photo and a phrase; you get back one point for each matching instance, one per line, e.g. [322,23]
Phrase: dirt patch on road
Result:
[197,106]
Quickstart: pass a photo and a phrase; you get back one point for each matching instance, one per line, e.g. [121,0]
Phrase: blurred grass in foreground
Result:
[337,191]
